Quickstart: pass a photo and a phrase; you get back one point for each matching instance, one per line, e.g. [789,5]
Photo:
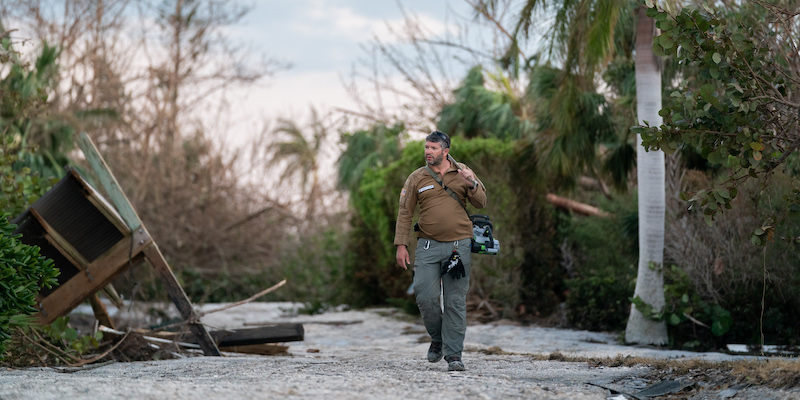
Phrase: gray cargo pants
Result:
[451,326]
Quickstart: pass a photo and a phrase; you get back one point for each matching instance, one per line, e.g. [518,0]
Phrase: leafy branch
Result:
[740,110]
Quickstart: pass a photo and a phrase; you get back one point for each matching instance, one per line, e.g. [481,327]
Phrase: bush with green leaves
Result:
[603,254]
[23,272]
[60,333]
[19,186]
[525,273]
[693,322]
[738,110]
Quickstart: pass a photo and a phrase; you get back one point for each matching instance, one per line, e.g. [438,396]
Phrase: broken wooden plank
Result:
[266,349]
[62,245]
[109,182]
[178,296]
[73,292]
[336,323]
[106,329]
[99,202]
[100,311]
[276,333]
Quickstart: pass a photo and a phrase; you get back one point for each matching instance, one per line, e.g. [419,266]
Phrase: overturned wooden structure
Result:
[85,237]
[92,242]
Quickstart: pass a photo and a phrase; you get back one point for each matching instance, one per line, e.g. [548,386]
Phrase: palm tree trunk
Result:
[650,177]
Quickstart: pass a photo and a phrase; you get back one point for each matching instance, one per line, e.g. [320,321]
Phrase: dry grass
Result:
[776,373]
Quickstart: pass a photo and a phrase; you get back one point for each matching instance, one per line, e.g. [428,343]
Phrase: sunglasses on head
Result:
[442,136]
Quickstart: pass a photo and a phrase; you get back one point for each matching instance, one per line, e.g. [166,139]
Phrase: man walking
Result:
[441,188]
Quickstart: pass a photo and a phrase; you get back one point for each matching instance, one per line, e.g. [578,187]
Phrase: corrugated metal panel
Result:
[67,210]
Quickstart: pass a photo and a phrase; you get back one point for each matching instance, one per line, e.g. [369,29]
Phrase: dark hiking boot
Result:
[454,363]
[435,352]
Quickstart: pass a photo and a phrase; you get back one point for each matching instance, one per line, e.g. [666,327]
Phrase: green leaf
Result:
[666,42]
[714,72]
[658,50]
[758,146]
[70,335]
[717,57]
[718,329]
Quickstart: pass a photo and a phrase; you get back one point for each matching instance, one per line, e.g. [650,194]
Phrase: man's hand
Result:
[468,176]
[402,257]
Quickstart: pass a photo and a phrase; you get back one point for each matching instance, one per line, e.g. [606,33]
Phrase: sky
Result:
[321,40]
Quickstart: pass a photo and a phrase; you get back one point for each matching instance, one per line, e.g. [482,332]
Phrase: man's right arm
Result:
[405,213]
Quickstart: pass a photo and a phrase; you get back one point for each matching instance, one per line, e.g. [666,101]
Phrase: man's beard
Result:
[435,161]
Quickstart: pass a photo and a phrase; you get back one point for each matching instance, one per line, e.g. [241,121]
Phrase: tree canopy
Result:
[741,109]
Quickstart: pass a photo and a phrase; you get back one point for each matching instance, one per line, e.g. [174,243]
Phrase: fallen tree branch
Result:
[106,329]
[695,321]
[575,206]
[196,317]
[251,298]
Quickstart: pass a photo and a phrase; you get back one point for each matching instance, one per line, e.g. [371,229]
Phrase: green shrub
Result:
[61,334]
[600,302]
[603,251]
[526,273]
[693,323]
[23,272]
[19,187]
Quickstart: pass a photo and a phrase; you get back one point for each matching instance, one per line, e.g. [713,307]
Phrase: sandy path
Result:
[371,355]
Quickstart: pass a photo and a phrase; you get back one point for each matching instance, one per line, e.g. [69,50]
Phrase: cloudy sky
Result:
[322,40]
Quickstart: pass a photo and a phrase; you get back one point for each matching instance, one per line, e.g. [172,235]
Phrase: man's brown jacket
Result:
[441,218]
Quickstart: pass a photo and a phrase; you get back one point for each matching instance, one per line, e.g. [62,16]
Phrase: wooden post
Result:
[178,296]
[151,252]
[100,311]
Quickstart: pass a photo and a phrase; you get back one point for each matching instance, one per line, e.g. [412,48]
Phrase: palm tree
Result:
[571,123]
[367,149]
[302,157]
[652,200]
[582,37]
[487,109]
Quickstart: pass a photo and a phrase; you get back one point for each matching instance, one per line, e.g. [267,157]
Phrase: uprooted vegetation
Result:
[78,341]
